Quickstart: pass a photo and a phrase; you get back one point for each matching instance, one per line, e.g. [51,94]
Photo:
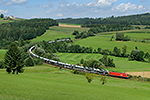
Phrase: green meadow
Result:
[122,64]
[105,43]
[58,32]
[133,35]
[49,83]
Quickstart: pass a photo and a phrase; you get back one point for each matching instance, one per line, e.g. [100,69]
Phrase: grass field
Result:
[2,53]
[48,83]
[140,36]
[122,64]
[105,43]
[58,32]
[128,31]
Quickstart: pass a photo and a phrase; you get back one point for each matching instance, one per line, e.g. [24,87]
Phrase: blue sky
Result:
[72,8]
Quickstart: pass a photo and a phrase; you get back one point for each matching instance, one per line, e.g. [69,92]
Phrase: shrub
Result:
[29,62]
[103,79]
[148,79]
[89,77]
[60,67]
[75,71]
[38,61]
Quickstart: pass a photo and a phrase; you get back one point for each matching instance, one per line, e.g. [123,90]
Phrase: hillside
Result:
[47,82]
[138,19]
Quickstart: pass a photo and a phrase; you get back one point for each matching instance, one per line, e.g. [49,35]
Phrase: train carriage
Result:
[118,74]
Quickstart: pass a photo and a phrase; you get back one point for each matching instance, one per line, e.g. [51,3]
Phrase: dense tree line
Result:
[67,47]
[24,29]
[138,19]
[98,28]
[83,34]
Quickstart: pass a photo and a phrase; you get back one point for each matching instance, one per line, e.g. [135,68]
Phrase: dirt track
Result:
[69,25]
[146,74]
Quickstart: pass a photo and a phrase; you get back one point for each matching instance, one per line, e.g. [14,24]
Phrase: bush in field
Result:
[103,79]
[117,52]
[75,71]
[82,61]
[29,62]
[136,55]
[89,77]
[119,36]
[124,51]
[60,67]
[75,32]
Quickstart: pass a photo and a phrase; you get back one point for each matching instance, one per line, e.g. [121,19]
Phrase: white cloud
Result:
[18,1]
[102,3]
[45,6]
[34,16]
[99,8]
[128,7]
[8,3]
[4,11]
[48,12]
[59,15]
[28,6]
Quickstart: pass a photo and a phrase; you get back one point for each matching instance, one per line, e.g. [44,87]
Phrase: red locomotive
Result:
[118,74]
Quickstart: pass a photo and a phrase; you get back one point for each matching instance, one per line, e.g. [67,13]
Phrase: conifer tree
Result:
[13,60]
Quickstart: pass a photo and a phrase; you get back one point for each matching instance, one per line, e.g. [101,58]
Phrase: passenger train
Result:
[71,66]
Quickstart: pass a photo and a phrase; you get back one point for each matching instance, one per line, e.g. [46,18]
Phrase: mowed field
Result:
[122,64]
[49,83]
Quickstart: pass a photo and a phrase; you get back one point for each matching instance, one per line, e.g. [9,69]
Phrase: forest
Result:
[24,30]
[98,28]
[138,19]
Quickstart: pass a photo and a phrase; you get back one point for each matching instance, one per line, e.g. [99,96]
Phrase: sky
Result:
[72,8]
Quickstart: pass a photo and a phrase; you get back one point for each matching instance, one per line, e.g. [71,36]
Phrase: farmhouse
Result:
[11,16]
